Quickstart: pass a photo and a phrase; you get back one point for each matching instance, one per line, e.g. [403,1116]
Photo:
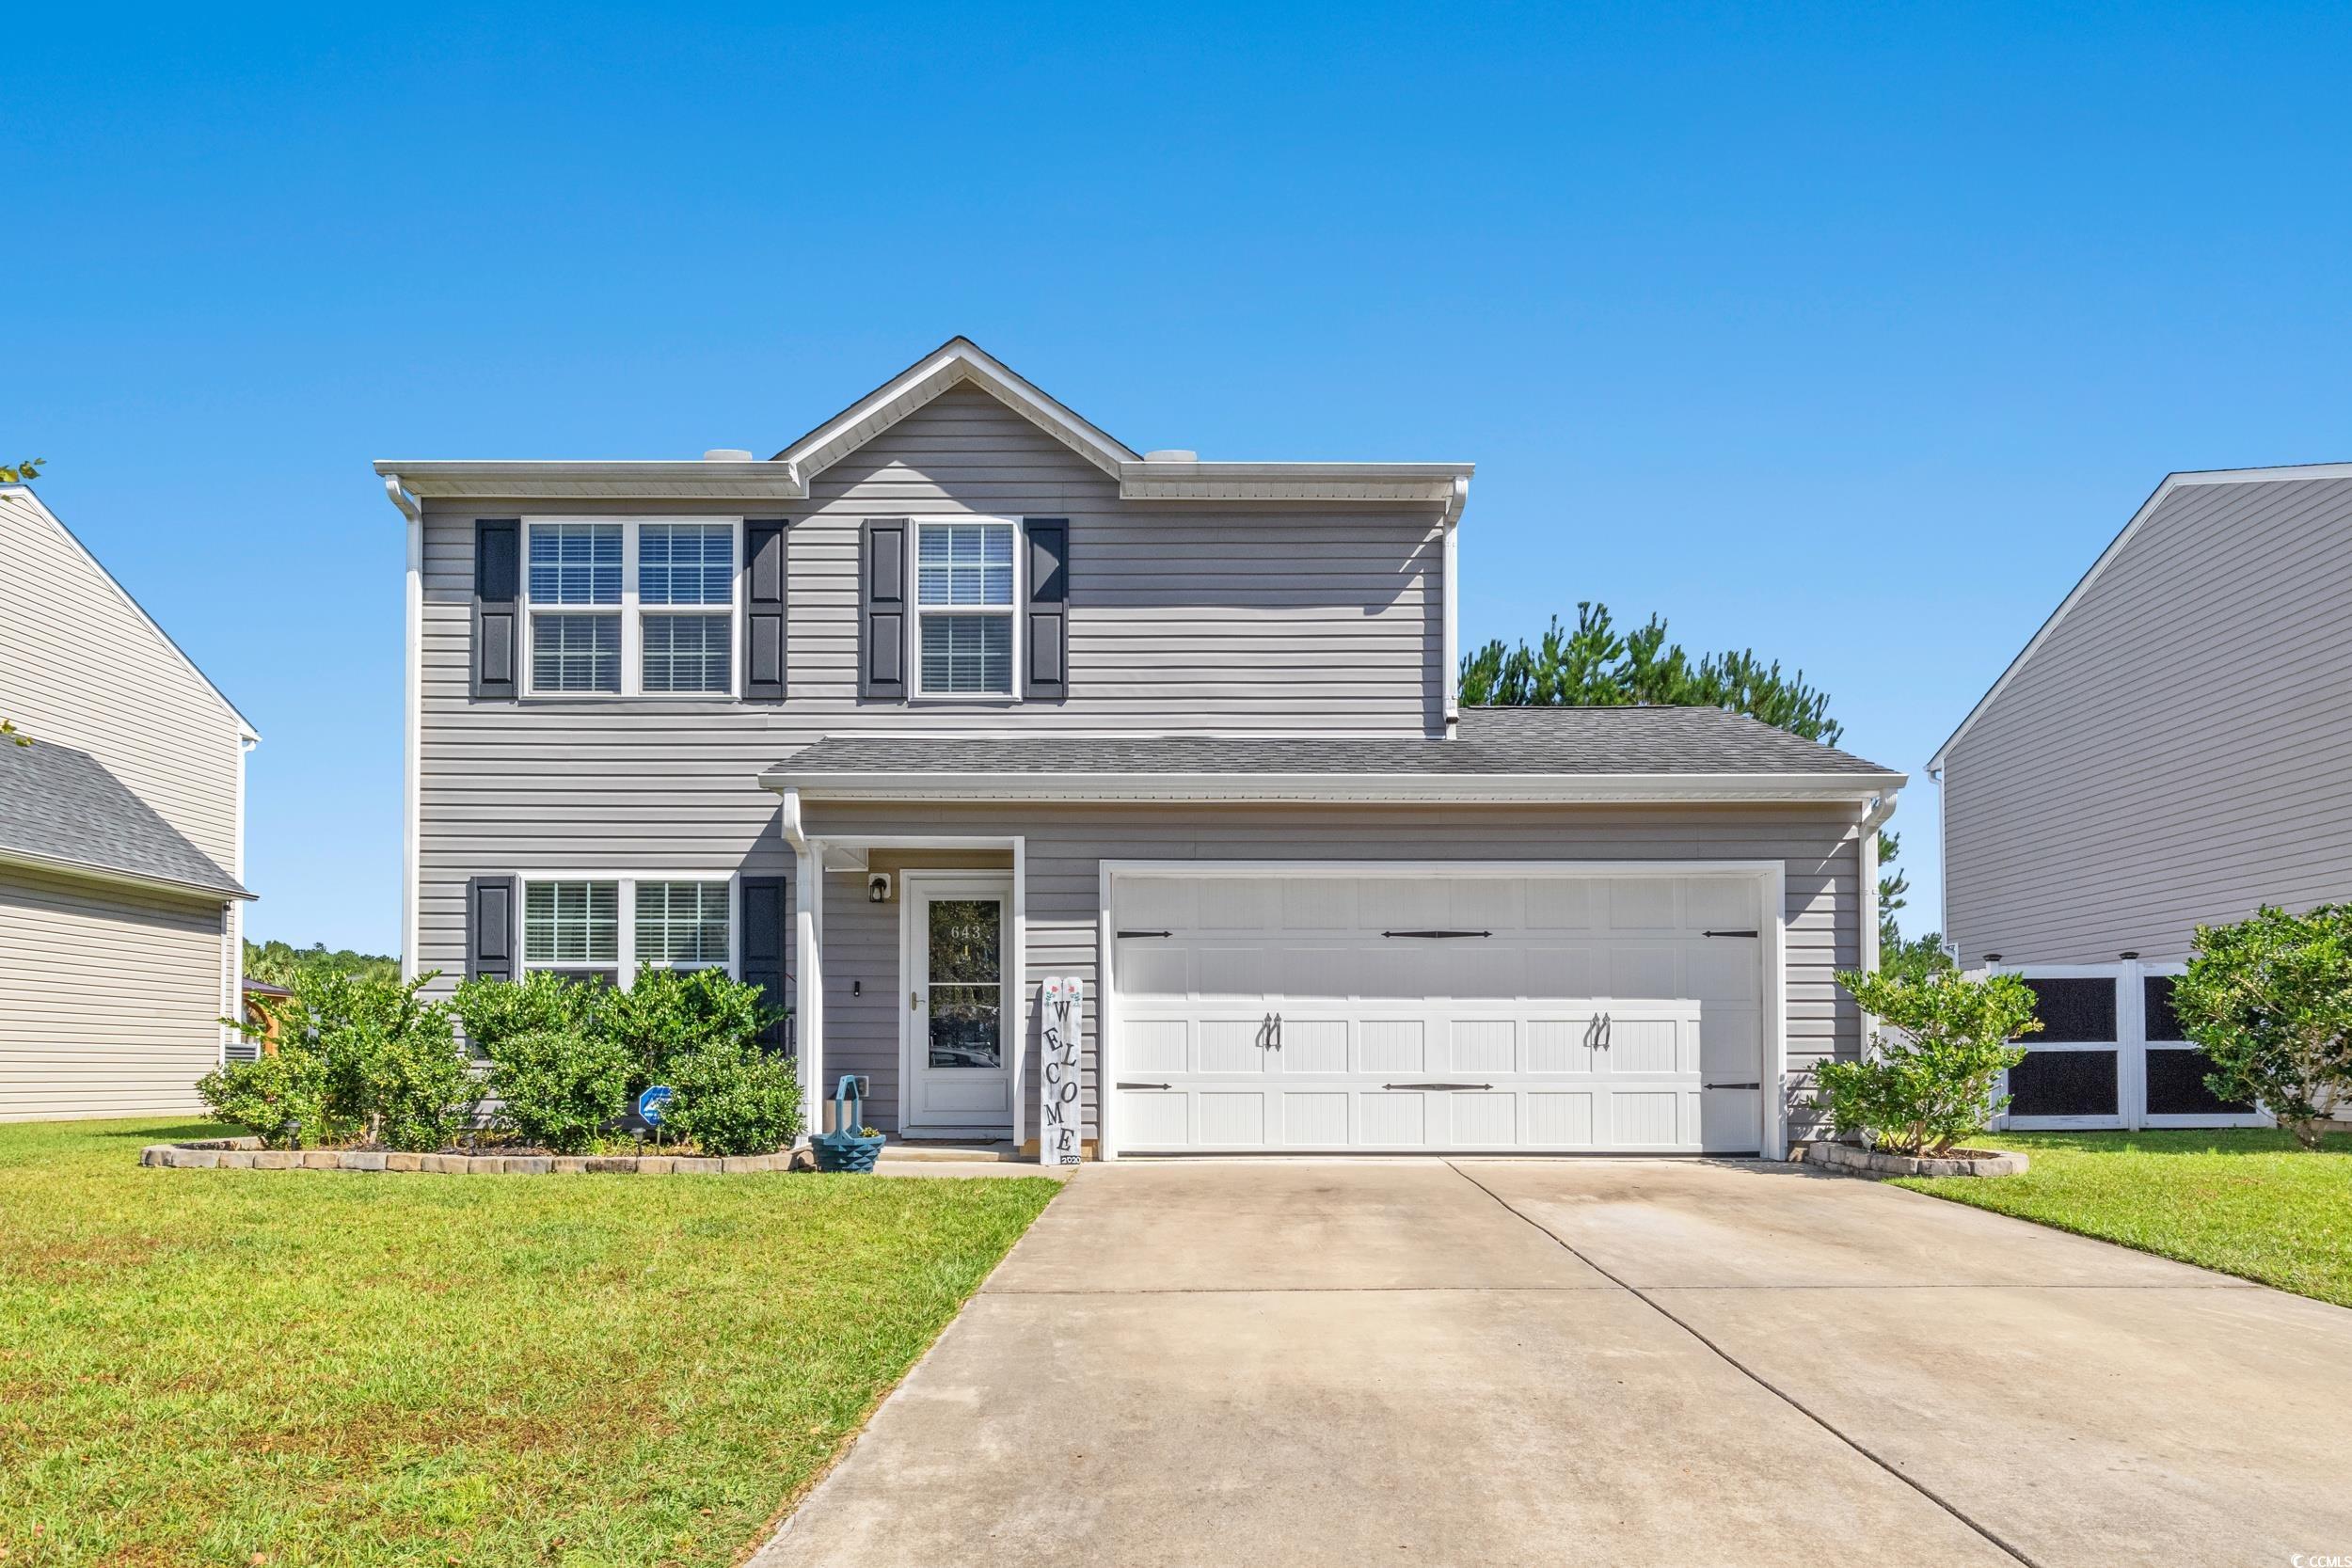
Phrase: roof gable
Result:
[23,498]
[2173,483]
[953,364]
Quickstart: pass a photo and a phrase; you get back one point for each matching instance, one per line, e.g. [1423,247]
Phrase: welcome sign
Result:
[1060,1019]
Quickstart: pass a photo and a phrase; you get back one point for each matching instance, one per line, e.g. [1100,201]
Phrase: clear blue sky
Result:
[1848,334]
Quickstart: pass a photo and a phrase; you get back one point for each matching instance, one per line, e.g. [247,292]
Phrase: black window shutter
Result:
[763,610]
[882,624]
[490,937]
[1049,609]
[767,945]
[498,581]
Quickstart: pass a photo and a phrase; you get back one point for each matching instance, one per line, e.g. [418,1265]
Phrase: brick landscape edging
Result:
[1871,1162]
[249,1154]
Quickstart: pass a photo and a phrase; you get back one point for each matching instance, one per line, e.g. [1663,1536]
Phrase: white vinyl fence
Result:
[2111,1053]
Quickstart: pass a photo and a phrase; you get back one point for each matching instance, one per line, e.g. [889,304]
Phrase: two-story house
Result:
[122,842]
[958,693]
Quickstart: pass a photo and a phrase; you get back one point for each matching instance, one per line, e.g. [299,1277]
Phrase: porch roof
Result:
[1503,753]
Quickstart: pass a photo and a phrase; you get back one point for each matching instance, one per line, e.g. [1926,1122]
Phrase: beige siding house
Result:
[958,700]
[121,841]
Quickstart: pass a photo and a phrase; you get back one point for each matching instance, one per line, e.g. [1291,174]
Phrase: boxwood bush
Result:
[385,1062]
[730,1097]
[558,1088]
[282,1096]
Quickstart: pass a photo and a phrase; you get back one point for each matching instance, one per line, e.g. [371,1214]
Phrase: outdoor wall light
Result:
[878,887]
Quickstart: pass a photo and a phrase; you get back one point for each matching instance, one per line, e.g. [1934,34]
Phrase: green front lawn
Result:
[316,1367]
[2245,1202]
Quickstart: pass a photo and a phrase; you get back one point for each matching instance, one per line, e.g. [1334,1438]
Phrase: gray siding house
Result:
[957,695]
[122,842]
[2170,750]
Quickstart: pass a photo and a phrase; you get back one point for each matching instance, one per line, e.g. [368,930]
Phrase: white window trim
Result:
[1012,613]
[626,882]
[632,612]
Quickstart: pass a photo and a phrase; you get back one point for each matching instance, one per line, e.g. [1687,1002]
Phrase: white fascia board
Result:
[1392,789]
[597,481]
[118,877]
[1376,483]
[2147,509]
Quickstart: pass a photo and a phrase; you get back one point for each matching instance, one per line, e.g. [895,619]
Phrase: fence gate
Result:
[2111,1054]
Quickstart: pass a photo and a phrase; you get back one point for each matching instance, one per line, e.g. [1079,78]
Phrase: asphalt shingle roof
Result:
[1491,741]
[62,805]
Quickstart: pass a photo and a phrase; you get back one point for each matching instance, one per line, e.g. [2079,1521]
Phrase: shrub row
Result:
[559,1061]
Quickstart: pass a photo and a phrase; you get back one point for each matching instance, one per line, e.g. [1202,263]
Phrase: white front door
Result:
[956,1047]
[1491,1011]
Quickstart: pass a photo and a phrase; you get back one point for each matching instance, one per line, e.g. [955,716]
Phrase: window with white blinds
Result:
[631,607]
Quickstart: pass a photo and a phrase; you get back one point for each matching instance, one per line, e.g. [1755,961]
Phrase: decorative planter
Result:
[846,1148]
[249,1154]
[1848,1160]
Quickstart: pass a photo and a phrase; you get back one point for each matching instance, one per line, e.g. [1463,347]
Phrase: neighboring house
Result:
[2168,750]
[958,693]
[122,842]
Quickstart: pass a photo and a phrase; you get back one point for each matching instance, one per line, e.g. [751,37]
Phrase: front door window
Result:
[966,946]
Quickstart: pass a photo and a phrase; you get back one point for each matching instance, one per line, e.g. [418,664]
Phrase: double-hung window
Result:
[631,607]
[607,928]
[964,608]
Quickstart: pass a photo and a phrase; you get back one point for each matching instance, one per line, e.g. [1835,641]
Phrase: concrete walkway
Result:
[1503,1362]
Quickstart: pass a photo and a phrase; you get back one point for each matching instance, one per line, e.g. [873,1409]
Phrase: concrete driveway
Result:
[1486,1362]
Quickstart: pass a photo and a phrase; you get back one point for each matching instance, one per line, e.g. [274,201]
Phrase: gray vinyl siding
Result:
[109,997]
[1184,618]
[1065,845]
[2179,749]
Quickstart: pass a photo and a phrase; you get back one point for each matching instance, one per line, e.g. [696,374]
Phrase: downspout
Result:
[1867,854]
[1450,556]
[412,788]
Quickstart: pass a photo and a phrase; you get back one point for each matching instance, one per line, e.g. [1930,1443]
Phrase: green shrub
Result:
[2269,1000]
[669,1014]
[1929,1083]
[729,1098]
[282,1097]
[539,1002]
[558,1088]
[389,1060]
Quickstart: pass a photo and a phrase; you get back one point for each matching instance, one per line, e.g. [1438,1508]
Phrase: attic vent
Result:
[1171,455]
[727,454]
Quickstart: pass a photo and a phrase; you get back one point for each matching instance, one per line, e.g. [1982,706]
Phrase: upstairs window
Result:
[963,609]
[631,607]
[575,586]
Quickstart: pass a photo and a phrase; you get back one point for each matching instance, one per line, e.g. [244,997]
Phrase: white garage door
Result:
[1487,1010]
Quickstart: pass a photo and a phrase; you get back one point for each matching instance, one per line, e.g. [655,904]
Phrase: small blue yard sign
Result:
[653,1103]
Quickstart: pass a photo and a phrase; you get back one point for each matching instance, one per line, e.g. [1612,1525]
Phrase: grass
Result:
[316,1367]
[2245,1202]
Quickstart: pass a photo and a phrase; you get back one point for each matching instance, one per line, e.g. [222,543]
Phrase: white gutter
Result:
[412,726]
[1323,788]
[32,862]
[1451,565]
